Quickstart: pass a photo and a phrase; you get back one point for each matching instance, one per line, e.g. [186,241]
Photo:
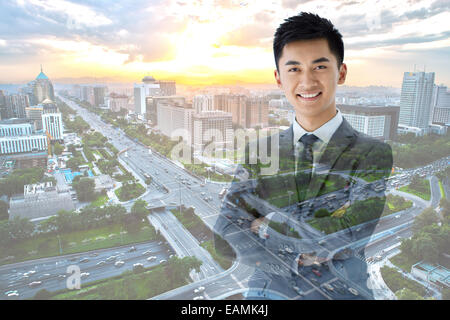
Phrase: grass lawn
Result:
[132,191]
[395,281]
[441,187]
[224,262]
[204,235]
[100,201]
[281,228]
[409,189]
[393,208]
[373,177]
[403,262]
[129,285]
[47,245]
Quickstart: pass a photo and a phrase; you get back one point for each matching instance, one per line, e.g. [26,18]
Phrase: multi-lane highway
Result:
[175,186]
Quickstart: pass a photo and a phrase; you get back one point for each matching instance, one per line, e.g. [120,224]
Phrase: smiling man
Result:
[303,221]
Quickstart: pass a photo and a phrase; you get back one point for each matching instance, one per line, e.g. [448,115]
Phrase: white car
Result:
[353,291]
[151,258]
[146,252]
[101,263]
[199,298]
[34,284]
[119,263]
[13,294]
[137,265]
[199,289]
[162,261]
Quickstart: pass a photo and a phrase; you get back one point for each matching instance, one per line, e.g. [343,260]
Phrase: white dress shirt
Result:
[324,133]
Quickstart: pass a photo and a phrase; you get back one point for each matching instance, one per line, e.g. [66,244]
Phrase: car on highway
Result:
[83,260]
[146,252]
[162,261]
[101,263]
[137,265]
[316,272]
[61,277]
[199,298]
[151,258]
[119,263]
[199,289]
[84,274]
[34,284]
[111,258]
[297,289]
[132,249]
[328,286]
[353,291]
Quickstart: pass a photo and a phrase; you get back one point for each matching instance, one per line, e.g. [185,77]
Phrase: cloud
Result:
[293,4]
[251,35]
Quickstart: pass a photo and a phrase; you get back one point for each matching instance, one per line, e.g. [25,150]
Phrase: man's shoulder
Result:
[363,139]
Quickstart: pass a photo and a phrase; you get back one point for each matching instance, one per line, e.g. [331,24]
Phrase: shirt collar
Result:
[324,133]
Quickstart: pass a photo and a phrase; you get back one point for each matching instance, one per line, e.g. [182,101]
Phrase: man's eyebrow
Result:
[293,62]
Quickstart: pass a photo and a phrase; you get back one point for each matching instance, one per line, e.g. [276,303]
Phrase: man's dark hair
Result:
[308,26]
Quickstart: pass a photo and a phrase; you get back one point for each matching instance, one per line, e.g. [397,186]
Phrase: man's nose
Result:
[308,80]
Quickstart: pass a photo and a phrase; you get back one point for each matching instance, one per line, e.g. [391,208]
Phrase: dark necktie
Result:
[306,161]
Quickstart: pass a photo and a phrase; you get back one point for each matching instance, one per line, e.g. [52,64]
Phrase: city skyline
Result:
[213,42]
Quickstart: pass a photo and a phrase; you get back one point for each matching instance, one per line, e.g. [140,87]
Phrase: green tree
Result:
[4,206]
[42,294]
[139,209]
[321,213]
[85,188]
[20,228]
[425,218]
[407,294]
[57,149]
[425,248]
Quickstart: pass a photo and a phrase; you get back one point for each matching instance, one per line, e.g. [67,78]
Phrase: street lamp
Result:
[60,246]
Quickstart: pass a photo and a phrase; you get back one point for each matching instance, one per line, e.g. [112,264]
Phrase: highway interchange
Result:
[174,186]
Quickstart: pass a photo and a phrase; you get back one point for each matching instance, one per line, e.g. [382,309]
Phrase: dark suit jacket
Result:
[348,150]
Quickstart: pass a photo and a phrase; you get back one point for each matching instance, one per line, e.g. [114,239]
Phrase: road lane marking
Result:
[237,281]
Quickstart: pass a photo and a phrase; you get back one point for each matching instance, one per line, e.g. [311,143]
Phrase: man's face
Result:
[309,75]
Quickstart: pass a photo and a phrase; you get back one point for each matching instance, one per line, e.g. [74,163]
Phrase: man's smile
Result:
[309,96]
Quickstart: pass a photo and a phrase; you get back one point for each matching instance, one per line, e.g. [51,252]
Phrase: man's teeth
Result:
[310,95]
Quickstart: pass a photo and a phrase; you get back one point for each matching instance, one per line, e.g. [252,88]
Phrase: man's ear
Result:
[277,78]
[342,74]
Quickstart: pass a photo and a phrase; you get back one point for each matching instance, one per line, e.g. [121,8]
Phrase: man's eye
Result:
[322,67]
[293,69]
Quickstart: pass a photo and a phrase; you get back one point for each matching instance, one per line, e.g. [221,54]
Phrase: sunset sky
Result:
[213,42]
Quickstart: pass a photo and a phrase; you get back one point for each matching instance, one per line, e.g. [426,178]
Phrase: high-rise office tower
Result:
[441,105]
[377,121]
[34,113]
[16,104]
[415,100]
[147,88]
[257,112]
[175,119]
[99,96]
[168,88]
[41,89]
[203,102]
[212,126]
[52,121]
[3,110]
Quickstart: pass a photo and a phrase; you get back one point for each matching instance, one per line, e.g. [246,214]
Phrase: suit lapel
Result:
[287,163]
[339,143]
